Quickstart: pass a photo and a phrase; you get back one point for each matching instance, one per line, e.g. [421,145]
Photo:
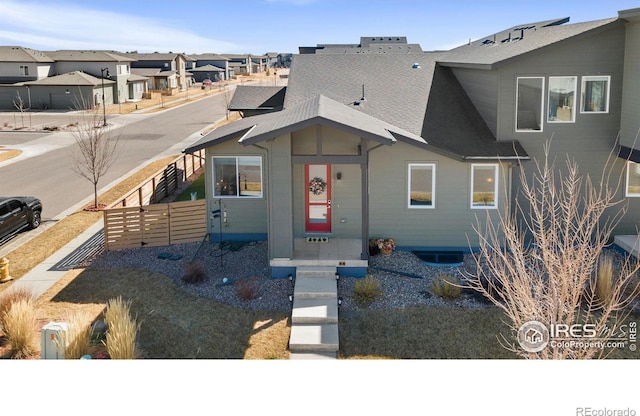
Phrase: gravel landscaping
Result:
[247,263]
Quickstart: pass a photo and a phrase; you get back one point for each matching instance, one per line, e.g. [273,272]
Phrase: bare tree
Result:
[96,148]
[19,104]
[540,262]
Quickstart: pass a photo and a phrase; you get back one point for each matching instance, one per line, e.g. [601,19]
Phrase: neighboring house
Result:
[157,79]
[211,72]
[271,59]
[215,60]
[423,147]
[18,64]
[247,64]
[284,60]
[112,65]
[251,101]
[368,44]
[166,63]
[71,91]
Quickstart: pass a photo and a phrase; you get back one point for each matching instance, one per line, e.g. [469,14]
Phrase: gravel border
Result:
[248,263]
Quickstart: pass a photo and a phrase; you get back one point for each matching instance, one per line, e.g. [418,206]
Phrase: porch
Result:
[343,253]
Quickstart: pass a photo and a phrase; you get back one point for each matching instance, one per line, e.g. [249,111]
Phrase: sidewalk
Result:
[47,273]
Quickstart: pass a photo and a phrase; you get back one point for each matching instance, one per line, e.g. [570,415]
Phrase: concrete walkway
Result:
[314,317]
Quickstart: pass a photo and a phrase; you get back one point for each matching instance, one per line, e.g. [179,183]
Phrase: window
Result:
[484,186]
[422,184]
[562,98]
[595,94]
[237,176]
[633,179]
[24,70]
[529,103]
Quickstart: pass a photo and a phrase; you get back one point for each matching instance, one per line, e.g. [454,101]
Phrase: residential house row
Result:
[382,140]
[66,79]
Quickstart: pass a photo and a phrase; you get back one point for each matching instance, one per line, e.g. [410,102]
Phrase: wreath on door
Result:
[317,186]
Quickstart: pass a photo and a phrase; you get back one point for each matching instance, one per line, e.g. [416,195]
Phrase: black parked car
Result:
[18,213]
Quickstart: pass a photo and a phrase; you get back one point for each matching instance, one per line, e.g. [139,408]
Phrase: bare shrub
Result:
[367,290]
[194,273]
[538,261]
[246,289]
[446,286]
[122,330]
[76,340]
[19,325]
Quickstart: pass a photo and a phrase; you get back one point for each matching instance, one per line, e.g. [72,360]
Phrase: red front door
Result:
[318,198]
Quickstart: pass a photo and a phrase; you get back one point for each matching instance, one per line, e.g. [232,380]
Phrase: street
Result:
[44,169]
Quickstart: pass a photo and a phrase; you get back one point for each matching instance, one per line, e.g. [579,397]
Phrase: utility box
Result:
[48,345]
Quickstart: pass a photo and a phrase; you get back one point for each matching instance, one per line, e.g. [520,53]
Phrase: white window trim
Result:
[575,101]
[433,186]
[495,185]
[236,157]
[582,92]
[626,185]
[542,113]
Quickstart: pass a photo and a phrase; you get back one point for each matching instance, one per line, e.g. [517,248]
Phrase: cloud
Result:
[56,25]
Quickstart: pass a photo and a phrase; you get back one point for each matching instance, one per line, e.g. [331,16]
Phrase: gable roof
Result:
[208,57]
[518,40]
[20,54]
[87,56]
[206,68]
[71,79]
[315,110]
[157,56]
[248,97]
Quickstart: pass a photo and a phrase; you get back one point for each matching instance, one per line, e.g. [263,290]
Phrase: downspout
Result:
[364,168]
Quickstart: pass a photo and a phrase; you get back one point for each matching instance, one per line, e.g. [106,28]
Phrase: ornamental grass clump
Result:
[366,291]
[246,289]
[446,286]
[604,279]
[10,297]
[194,273]
[122,330]
[19,324]
[76,340]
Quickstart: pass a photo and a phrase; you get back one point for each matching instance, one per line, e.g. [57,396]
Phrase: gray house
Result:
[419,147]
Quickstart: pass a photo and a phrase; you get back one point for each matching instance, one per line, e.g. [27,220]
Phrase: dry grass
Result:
[6,154]
[366,291]
[446,286]
[76,340]
[10,297]
[19,323]
[122,330]
[604,279]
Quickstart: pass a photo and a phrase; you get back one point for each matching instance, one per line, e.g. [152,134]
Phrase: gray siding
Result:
[244,215]
[630,124]
[482,88]
[449,224]
[280,198]
[592,137]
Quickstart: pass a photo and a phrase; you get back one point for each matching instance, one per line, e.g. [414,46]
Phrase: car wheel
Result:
[35,220]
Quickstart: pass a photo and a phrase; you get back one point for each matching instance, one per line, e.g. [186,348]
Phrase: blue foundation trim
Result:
[215,237]
[352,271]
[282,272]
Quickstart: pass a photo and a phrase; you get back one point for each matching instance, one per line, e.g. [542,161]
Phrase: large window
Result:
[422,185]
[562,98]
[237,176]
[484,186]
[529,103]
[633,179]
[595,94]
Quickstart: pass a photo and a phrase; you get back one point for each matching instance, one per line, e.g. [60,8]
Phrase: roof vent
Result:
[416,66]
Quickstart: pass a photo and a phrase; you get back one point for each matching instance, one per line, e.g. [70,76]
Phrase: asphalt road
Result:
[45,170]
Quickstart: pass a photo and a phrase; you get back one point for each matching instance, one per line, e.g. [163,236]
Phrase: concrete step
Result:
[314,311]
[313,338]
[326,355]
[315,288]
[316,271]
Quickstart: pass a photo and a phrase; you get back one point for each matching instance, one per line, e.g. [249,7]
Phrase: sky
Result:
[260,26]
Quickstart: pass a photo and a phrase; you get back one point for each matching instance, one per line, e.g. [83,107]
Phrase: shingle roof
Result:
[206,68]
[518,40]
[315,110]
[72,79]
[208,57]
[248,97]
[20,54]
[87,56]
[156,56]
